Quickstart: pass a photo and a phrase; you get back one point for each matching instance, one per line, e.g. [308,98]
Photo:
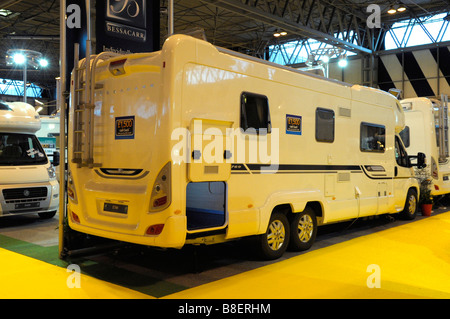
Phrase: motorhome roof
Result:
[18,117]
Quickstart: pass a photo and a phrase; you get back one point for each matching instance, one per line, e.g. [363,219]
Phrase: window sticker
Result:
[293,124]
[125,128]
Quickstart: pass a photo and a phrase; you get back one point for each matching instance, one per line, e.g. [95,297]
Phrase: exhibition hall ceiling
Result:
[247,26]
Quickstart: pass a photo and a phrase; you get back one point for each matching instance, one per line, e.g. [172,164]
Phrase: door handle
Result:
[395,171]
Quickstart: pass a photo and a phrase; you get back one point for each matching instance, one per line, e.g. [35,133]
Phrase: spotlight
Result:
[325,59]
[19,58]
[343,62]
[43,63]
[392,10]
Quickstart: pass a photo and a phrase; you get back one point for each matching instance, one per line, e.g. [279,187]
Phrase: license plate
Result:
[115,208]
[27,205]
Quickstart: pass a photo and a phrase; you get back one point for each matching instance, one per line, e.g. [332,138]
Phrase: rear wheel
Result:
[410,210]
[303,230]
[273,243]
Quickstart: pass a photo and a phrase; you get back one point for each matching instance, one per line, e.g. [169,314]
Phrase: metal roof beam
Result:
[256,13]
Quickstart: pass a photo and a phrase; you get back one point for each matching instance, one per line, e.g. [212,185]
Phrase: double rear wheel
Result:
[298,233]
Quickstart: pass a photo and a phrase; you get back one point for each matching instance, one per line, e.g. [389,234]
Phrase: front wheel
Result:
[410,210]
[273,243]
[303,230]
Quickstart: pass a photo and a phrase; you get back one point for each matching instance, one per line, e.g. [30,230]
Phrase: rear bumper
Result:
[173,234]
[26,202]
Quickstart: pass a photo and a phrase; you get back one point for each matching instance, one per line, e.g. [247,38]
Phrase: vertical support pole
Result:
[62,125]
[89,111]
[170,17]
[25,79]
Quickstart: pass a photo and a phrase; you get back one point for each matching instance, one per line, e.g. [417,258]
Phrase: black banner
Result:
[127,26]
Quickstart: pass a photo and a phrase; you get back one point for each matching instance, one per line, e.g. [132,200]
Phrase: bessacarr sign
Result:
[125,32]
[126,19]
[127,25]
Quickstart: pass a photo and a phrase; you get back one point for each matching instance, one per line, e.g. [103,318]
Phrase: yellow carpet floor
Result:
[409,261]
[23,277]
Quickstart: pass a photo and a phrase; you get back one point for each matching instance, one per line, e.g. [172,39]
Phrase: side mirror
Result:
[55,159]
[421,160]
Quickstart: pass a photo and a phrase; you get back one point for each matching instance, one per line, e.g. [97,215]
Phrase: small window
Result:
[400,154]
[324,125]
[373,138]
[255,112]
[405,136]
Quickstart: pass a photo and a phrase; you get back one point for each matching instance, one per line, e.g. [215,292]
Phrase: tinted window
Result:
[255,112]
[324,125]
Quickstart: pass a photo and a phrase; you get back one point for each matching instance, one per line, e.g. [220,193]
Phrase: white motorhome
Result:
[27,178]
[196,144]
[48,134]
[426,130]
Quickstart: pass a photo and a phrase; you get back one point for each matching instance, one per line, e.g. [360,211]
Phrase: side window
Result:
[405,136]
[372,138]
[400,154]
[255,112]
[324,125]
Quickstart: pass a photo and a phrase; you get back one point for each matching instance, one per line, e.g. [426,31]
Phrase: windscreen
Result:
[20,149]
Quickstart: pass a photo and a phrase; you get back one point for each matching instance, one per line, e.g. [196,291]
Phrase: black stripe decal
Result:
[295,167]
[415,74]
[384,79]
[444,58]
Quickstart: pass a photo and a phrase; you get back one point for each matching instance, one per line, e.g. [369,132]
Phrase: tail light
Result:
[75,217]
[71,193]
[154,230]
[434,169]
[161,191]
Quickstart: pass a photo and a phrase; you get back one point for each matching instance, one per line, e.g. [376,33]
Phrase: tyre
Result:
[410,210]
[303,230]
[47,215]
[273,243]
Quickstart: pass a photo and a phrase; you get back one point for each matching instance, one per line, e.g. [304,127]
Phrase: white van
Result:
[196,144]
[27,178]
[426,130]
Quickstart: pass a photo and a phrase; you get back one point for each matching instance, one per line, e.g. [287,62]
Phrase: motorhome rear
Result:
[426,130]
[196,144]
[27,178]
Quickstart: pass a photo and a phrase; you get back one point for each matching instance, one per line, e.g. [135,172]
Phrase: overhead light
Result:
[401,8]
[19,58]
[43,63]
[279,34]
[392,10]
[325,58]
[343,62]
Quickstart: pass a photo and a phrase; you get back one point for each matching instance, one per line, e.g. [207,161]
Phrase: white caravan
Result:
[196,144]
[426,130]
[27,178]
[48,134]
